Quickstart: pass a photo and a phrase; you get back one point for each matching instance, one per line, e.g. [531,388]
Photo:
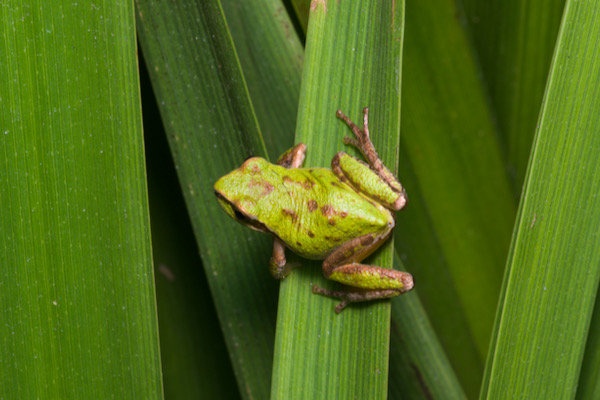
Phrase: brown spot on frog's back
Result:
[327,210]
[290,213]
[266,186]
[305,184]
[310,234]
[308,184]
[312,205]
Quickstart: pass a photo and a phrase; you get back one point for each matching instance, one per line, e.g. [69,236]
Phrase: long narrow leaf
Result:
[194,358]
[211,128]
[419,369]
[271,57]
[514,40]
[589,379]
[78,310]
[554,266]
[353,59]
[455,231]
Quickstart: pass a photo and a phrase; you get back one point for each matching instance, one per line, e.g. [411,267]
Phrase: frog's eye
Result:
[238,215]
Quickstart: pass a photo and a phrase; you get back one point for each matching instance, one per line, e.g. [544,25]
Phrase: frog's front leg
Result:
[371,281]
[374,180]
[293,158]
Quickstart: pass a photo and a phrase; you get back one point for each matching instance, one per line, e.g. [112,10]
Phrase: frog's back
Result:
[318,212]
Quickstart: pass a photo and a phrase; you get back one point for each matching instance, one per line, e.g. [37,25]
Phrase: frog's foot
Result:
[280,271]
[362,142]
[279,266]
[348,297]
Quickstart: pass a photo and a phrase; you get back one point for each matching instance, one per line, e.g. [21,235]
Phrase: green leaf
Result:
[271,57]
[514,41]
[211,129]
[195,361]
[419,369]
[455,231]
[554,265]
[589,379]
[353,59]
[78,307]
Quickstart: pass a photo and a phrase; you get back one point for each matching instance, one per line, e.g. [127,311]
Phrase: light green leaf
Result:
[353,59]
[78,309]
[554,264]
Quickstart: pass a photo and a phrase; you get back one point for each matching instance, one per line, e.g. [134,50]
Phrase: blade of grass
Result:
[78,308]
[589,379]
[554,265]
[456,229]
[353,59]
[420,247]
[301,11]
[419,369]
[195,361]
[514,41]
[271,56]
[211,129]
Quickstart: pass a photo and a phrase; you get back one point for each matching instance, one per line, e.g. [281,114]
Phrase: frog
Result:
[339,215]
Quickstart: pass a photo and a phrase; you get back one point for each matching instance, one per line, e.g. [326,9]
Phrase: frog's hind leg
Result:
[370,282]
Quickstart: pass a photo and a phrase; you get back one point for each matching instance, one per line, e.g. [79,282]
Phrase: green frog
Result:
[340,215]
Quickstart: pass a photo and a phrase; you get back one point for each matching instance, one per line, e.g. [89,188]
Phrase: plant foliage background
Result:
[120,277]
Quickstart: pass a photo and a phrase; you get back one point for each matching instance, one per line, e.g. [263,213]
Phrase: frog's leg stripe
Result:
[354,250]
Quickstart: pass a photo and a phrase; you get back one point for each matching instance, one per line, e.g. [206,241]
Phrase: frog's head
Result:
[241,191]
